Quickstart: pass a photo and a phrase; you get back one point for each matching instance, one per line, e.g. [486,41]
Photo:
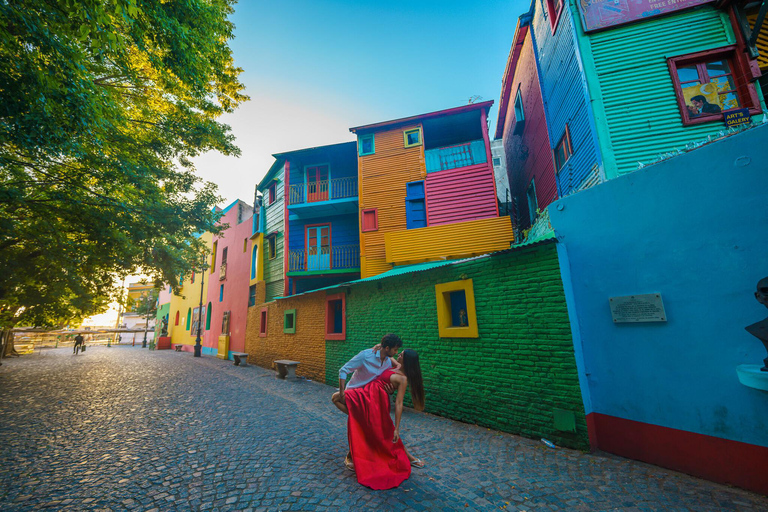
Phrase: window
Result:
[177,318]
[365,145]
[369,220]
[189,318]
[254,260]
[245,244]
[496,162]
[708,83]
[415,205]
[412,137]
[208,317]
[224,257]
[335,317]
[192,281]
[554,8]
[272,192]
[252,295]
[519,114]
[563,150]
[213,255]
[263,323]
[221,293]
[289,321]
[533,203]
[272,251]
[456,314]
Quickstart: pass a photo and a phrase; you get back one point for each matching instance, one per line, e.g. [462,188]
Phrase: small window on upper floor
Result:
[369,220]
[272,192]
[563,150]
[519,113]
[533,203]
[412,137]
[496,162]
[365,145]
[554,9]
[245,244]
[252,295]
[415,205]
[271,247]
[263,322]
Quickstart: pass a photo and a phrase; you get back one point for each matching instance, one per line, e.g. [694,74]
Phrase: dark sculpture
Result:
[164,326]
[760,329]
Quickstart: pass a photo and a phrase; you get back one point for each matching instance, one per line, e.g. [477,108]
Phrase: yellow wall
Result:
[382,178]
[189,298]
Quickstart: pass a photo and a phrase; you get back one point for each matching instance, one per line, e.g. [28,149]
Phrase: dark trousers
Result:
[77,347]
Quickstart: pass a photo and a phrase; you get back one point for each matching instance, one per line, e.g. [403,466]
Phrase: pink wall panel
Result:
[458,195]
[236,282]
[529,155]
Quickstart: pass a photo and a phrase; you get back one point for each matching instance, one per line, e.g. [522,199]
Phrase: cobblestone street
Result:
[123,428]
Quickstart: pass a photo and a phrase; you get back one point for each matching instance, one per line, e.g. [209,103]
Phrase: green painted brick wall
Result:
[514,375]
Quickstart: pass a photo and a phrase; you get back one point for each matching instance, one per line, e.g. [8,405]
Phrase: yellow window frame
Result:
[412,130]
[442,295]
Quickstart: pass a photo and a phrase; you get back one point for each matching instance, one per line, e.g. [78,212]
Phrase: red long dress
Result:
[379,463]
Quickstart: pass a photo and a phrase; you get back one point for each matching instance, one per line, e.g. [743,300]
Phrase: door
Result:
[317,183]
[318,248]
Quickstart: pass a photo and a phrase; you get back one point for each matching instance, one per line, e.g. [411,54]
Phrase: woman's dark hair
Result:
[412,371]
[391,340]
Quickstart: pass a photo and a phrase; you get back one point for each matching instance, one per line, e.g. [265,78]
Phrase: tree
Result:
[104,104]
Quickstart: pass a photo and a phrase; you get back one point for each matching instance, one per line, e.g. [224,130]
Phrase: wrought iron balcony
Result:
[335,257]
[322,190]
[454,157]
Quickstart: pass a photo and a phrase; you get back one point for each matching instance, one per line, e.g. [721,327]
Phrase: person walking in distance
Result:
[78,343]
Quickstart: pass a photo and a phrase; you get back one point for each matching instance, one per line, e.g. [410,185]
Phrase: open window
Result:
[519,114]
[412,137]
[272,247]
[563,150]
[336,317]
[263,323]
[272,192]
[456,314]
[289,321]
[710,83]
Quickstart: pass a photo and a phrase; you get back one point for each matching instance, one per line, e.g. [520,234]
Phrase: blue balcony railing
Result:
[324,258]
[453,157]
[323,190]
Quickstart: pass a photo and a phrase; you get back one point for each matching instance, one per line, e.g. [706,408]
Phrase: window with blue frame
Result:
[254,260]
[415,205]
[221,293]
[365,145]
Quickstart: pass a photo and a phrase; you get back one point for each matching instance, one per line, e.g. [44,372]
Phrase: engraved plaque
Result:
[638,308]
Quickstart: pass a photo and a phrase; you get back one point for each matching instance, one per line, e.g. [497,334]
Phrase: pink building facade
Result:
[227,295]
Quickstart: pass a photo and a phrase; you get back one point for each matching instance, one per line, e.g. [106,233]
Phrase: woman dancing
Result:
[379,456]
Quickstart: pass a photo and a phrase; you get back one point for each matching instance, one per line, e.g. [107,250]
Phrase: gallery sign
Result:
[599,14]
[737,117]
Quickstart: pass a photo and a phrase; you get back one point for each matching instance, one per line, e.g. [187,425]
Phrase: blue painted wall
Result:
[565,96]
[344,230]
[695,229]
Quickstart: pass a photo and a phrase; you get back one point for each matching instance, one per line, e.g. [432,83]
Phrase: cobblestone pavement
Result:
[123,428]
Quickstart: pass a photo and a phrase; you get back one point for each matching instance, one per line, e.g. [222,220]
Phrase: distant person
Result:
[701,106]
[79,340]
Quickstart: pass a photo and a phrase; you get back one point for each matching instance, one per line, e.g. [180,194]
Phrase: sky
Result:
[315,68]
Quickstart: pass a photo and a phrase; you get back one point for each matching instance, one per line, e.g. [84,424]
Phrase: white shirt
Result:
[366,366]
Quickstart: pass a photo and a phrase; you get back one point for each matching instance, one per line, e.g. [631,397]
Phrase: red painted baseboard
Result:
[713,458]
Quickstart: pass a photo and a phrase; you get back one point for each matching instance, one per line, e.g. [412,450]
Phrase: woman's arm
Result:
[402,383]
[395,364]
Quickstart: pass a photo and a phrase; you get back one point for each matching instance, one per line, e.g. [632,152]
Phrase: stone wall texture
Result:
[306,345]
[514,375]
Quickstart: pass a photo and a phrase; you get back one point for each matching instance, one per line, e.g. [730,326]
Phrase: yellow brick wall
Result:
[306,345]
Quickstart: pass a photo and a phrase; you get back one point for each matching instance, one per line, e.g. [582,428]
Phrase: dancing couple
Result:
[376,452]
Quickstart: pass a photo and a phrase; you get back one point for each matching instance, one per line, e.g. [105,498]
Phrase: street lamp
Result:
[198,346]
[146,322]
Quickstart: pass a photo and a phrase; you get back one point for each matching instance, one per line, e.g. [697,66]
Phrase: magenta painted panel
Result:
[529,153]
[597,14]
[459,195]
[236,282]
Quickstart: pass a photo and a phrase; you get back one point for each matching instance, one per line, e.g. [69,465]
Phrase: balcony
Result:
[456,156]
[337,259]
[323,198]
[449,241]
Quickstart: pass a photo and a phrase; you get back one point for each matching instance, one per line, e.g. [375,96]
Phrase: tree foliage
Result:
[104,105]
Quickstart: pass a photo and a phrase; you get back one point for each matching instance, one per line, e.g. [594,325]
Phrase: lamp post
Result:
[198,346]
[146,322]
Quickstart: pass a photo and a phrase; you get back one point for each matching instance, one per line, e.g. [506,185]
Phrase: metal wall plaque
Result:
[638,308]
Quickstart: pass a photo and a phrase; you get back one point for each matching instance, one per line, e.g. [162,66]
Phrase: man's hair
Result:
[699,98]
[391,340]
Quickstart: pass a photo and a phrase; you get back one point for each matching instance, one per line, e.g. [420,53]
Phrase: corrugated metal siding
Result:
[449,241]
[459,195]
[762,42]
[275,215]
[529,154]
[565,97]
[382,178]
[641,108]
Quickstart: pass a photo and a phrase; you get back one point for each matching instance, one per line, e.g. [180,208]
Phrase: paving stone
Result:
[123,428]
